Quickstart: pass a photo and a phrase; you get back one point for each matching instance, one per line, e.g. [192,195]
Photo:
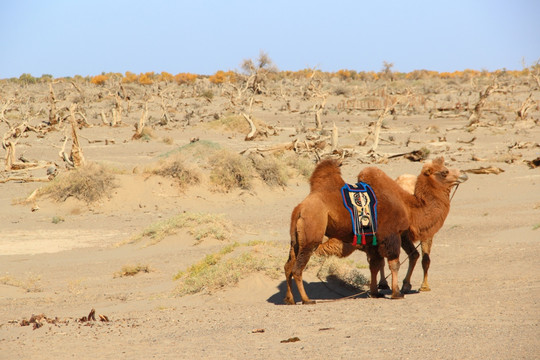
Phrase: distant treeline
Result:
[221,76]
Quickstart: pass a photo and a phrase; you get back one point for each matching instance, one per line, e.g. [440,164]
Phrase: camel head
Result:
[442,177]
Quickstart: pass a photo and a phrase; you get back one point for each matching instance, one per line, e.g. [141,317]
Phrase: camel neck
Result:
[429,209]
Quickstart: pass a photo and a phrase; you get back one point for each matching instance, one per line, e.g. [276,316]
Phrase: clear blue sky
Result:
[70,37]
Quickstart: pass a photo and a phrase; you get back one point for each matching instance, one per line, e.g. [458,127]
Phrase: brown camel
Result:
[408,183]
[322,213]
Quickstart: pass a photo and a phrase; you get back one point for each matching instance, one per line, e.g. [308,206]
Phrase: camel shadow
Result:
[332,289]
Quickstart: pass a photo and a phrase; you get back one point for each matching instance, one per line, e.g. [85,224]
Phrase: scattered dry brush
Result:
[89,183]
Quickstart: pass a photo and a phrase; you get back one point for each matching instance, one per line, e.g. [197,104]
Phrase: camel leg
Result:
[426,250]
[411,251]
[383,283]
[289,298]
[394,268]
[391,249]
[301,261]
[376,263]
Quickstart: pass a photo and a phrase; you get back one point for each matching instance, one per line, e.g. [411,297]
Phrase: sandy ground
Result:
[484,273]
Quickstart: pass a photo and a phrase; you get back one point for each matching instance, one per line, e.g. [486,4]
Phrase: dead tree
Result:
[476,113]
[53,116]
[116,110]
[525,106]
[388,108]
[79,90]
[282,94]
[142,122]
[5,107]
[76,157]
[165,118]
[253,129]
[258,73]
[314,90]
[10,140]
[319,107]
[334,138]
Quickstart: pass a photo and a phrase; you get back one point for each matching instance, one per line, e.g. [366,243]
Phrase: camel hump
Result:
[326,176]
[407,182]
[372,175]
[382,183]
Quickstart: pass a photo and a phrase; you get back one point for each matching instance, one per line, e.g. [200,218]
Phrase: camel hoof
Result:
[398,296]
[425,288]
[376,295]
[406,288]
[383,286]
[289,301]
[309,302]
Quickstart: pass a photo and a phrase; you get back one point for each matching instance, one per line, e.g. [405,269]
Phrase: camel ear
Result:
[439,160]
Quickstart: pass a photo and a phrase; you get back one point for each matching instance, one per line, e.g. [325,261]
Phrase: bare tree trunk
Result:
[378,125]
[53,117]
[318,111]
[334,138]
[527,104]
[3,112]
[474,118]
[81,92]
[76,151]
[142,122]
[165,117]
[9,141]
[10,154]
[253,131]
[104,119]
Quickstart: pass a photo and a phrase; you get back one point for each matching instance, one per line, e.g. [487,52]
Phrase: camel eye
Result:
[444,173]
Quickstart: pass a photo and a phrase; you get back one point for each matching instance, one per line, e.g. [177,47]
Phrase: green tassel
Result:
[374,243]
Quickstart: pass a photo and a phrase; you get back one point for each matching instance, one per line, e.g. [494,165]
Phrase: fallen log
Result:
[415,155]
[485,170]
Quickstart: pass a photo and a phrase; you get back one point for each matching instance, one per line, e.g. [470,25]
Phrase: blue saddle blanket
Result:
[359,199]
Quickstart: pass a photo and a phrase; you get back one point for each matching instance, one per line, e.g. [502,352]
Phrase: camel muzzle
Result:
[462,178]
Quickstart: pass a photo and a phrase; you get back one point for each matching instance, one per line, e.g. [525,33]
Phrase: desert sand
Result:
[484,275]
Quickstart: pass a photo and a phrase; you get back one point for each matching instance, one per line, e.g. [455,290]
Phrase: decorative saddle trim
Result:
[360,201]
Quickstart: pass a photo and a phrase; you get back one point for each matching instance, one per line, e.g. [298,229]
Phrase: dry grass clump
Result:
[344,271]
[235,123]
[30,284]
[176,168]
[57,219]
[201,226]
[231,122]
[132,270]
[88,183]
[303,164]
[146,134]
[168,140]
[217,270]
[200,149]
[230,170]
[272,171]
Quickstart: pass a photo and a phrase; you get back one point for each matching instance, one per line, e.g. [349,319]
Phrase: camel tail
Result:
[335,247]
[295,216]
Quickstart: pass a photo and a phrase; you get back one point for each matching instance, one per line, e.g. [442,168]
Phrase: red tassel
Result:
[363,239]
[355,242]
